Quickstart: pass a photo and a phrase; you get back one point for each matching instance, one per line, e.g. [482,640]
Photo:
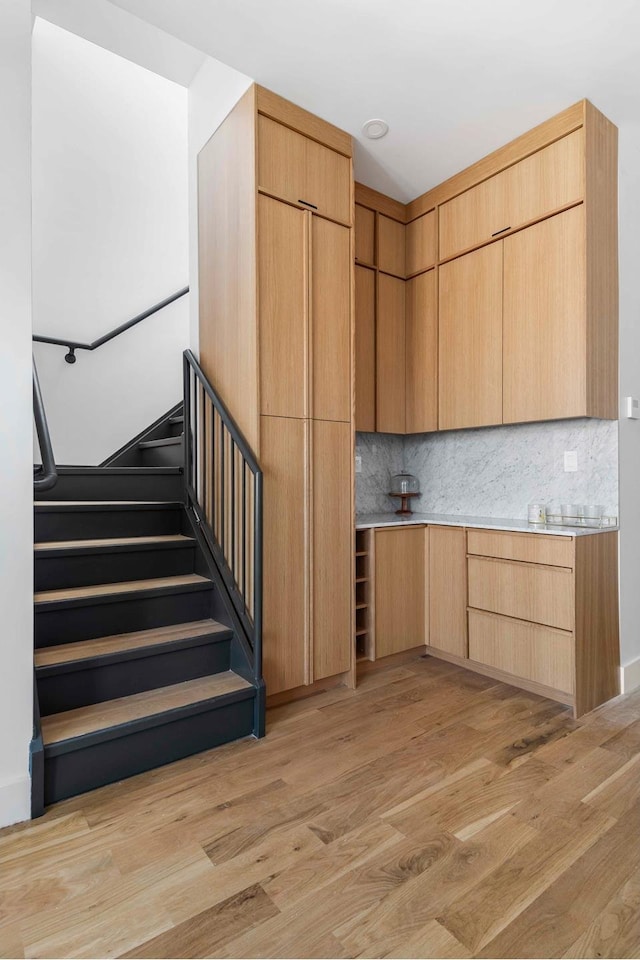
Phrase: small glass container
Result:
[403,484]
[572,514]
[593,514]
[537,513]
[554,513]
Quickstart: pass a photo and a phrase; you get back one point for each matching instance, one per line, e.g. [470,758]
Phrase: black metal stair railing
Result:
[223,484]
[45,476]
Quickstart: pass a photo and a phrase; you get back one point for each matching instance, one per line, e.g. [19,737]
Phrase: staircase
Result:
[138,658]
[160,445]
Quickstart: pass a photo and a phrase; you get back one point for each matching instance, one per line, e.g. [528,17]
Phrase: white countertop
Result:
[364,521]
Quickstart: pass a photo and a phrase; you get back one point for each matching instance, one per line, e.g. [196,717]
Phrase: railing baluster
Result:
[224,486]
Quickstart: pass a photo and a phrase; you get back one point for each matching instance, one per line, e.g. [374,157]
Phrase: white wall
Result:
[215,89]
[16,532]
[110,238]
[629,211]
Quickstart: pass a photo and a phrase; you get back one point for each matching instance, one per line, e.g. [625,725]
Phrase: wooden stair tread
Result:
[119,643]
[104,503]
[127,586]
[112,541]
[111,713]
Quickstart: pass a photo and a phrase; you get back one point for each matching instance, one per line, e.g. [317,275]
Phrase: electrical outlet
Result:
[358,464]
[570,461]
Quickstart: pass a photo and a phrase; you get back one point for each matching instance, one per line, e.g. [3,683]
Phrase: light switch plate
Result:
[570,461]
[632,408]
[358,464]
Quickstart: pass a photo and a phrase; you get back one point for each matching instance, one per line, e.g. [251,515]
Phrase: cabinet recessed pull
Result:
[500,231]
[307,204]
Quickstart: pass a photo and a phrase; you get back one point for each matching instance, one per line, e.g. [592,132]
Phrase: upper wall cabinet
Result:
[541,184]
[421,243]
[523,249]
[391,246]
[365,235]
[545,330]
[296,168]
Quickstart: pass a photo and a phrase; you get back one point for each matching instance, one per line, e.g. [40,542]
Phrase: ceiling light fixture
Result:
[375,129]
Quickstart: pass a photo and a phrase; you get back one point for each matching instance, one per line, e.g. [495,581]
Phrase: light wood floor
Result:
[430,813]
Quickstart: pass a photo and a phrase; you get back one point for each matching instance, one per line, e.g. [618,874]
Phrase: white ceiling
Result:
[454,79]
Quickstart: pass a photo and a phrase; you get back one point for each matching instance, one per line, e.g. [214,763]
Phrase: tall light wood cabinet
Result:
[390,355]
[282,308]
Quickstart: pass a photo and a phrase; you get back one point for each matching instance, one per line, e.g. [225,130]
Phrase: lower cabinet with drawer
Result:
[536,611]
[543,613]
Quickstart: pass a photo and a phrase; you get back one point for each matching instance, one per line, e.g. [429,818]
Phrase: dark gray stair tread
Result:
[101,717]
[125,643]
[101,590]
[165,442]
[103,543]
[177,419]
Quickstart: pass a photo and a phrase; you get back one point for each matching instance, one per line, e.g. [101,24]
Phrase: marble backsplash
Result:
[494,471]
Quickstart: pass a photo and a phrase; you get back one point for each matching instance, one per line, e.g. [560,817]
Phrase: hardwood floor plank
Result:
[565,909]
[488,908]
[400,819]
[202,933]
[405,911]
[433,940]
[614,932]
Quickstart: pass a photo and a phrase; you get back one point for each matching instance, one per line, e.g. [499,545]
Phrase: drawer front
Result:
[295,168]
[531,547]
[525,650]
[527,191]
[523,590]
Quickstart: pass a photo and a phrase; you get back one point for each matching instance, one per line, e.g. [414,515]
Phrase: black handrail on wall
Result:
[73,345]
[46,476]
[223,484]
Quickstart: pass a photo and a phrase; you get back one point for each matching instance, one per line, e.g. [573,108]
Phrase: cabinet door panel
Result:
[422,354]
[545,320]
[365,349]
[448,590]
[282,272]
[328,181]
[332,572]
[391,246]
[281,160]
[526,591]
[421,243]
[400,589]
[473,217]
[546,181]
[283,455]
[529,190]
[390,355]
[365,235]
[523,649]
[470,339]
[330,320]
[295,168]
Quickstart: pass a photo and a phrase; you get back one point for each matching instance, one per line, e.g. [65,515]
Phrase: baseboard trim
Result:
[630,676]
[15,800]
